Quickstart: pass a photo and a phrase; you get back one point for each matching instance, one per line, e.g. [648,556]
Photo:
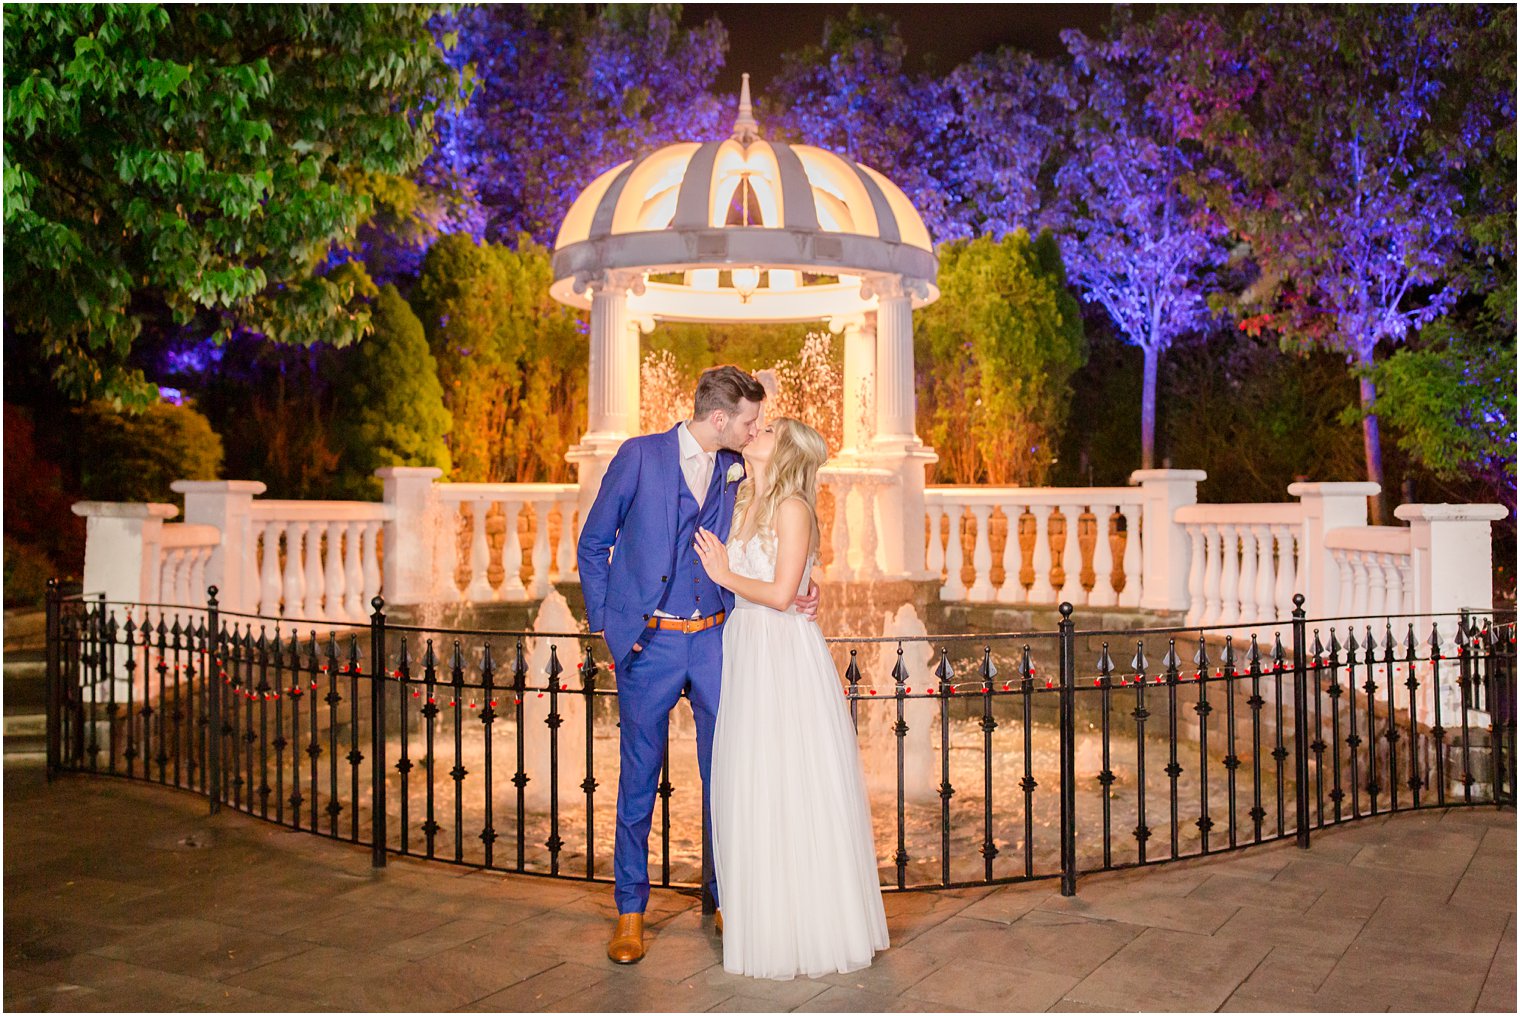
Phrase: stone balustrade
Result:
[317,560]
[1037,545]
[1243,561]
[849,526]
[184,553]
[509,542]
[1376,571]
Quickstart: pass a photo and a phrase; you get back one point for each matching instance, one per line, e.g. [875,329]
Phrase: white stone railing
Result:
[184,553]
[849,527]
[1243,561]
[536,526]
[1376,571]
[317,560]
[1027,544]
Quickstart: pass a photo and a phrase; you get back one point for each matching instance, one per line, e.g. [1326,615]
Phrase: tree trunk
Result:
[1148,409]
[1372,443]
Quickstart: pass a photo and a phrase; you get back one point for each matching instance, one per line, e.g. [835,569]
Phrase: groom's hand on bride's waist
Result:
[807,603]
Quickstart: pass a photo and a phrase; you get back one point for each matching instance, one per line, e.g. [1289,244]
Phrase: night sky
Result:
[938,36]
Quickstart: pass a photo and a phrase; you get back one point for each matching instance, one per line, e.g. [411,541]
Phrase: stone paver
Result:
[122,897]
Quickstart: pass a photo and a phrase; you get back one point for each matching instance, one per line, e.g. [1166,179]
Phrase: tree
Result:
[1135,243]
[512,362]
[135,457]
[176,165]
[996,354]
[566,94]
[851,95]
[1337,149]
[390,410]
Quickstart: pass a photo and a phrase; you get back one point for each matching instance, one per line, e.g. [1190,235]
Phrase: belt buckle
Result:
[693,625]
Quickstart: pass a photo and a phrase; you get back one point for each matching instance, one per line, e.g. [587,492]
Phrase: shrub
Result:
[136,457]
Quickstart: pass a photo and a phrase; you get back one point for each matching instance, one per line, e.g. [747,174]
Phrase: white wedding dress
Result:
[792,843]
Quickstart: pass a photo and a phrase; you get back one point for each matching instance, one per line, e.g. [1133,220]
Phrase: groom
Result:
[659,612]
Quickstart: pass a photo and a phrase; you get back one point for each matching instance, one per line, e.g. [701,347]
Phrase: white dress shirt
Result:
[697,468]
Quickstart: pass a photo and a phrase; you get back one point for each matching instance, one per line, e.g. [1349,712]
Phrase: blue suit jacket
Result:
[634,517]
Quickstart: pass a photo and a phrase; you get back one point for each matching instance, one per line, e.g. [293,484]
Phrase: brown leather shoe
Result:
[718,921]
[627,945]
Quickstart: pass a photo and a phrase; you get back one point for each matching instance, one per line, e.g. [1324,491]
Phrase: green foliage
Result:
[1256,418]
[511,360]
[27,570]
[995,357]
[390,411]
[136,457]
[184,165]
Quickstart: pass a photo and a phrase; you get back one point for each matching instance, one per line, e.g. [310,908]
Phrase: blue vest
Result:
[691,593]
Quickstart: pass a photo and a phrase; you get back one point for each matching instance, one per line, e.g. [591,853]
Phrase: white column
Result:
[353,573]
[1452,553]
[233,568]
[1165,549]
[411,534]
[1327,506]
[859,409]
[895,401]
[1229,576]
[333,574]
[1266,572]
[295,586]
[612,391]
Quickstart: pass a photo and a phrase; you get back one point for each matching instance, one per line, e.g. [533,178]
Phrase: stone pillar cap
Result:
[1452,512]
[1141,475]
[254,487]
[125,509]
[1357,488]
[432,472]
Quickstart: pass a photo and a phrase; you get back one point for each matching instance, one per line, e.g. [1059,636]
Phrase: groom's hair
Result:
[722,388]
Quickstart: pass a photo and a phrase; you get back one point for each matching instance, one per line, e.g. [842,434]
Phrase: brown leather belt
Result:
[687,625]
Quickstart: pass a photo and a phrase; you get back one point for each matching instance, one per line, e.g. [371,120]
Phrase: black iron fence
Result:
[991,758]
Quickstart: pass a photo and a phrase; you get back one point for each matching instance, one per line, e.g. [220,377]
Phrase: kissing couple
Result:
[696,562]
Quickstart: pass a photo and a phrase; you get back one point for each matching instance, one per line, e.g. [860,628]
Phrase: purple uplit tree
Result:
[1337,162]
[565,95]
[1134,242]
[995,144]
[851,95]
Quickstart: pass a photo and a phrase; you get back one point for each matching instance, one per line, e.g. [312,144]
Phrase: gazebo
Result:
[751,230]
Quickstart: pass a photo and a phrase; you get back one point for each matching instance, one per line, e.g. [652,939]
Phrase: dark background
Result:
[938,36]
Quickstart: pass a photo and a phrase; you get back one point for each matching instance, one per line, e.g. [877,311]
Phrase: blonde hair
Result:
[791,472]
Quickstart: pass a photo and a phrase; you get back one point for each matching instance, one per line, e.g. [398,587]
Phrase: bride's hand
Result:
[714,556]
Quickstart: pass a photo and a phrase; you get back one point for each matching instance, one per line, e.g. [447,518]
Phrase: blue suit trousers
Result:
[648,684]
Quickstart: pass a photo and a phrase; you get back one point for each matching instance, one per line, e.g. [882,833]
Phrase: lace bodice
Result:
[755,558]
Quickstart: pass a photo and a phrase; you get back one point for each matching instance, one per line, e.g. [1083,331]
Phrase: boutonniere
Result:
[735,472]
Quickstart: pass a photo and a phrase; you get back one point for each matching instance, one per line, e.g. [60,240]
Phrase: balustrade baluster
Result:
[955,586]
[1042,591]
[935,555]
[447,583]
[1103,594]
[353,573]
[269,591]
[311,604]
[1377,590]
[511,555]
[540,555]
[869,568]
[981,589]
[1071,557]
[1346,601]
[1229,576]
[295,588]
[1012,589]
[564,556]
[1266,574]
[1134,578]
[371,558]
[1287,572]
[1197,565]
[1248,604]
[839,533]
[1212,565]
[333,579]
[479,588]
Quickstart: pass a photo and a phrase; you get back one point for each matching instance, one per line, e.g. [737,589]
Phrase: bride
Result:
[791,826]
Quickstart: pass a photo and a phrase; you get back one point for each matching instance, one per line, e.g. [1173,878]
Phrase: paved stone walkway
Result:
[125,897]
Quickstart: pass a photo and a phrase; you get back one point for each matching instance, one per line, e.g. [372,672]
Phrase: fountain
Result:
[569,704]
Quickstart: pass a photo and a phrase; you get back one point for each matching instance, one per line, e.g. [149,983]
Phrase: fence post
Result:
[1068,765]
[1301,720]
[214,700]
[54,682]
[377,729]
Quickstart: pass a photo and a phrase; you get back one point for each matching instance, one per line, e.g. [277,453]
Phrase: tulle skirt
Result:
[792,842]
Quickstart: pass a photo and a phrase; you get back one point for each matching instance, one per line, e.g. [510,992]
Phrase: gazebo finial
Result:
[746,128]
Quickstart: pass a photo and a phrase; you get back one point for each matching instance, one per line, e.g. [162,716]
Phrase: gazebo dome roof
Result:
[743,229]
